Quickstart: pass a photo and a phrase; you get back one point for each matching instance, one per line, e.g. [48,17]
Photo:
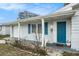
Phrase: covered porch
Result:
[38,31]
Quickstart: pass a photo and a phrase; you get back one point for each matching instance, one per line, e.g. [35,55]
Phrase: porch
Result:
[22,28]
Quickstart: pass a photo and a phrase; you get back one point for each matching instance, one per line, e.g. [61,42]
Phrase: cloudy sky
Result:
[9,11]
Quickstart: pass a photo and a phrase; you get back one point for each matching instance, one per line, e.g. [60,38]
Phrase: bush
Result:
[17,43]
[37,50]
[42,52]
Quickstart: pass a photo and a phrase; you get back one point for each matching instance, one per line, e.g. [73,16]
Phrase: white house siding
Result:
[24,32]
[68,29]
[75,31]
[5,30]
[2,32]
[15,31]
[50,38]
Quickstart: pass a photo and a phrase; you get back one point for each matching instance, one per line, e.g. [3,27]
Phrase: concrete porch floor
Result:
[57,50]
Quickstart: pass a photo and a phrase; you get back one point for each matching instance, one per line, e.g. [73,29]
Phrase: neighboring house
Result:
[60,27]
[4,30]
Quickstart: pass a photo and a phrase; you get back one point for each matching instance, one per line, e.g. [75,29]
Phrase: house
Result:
[4,29]
[60,27]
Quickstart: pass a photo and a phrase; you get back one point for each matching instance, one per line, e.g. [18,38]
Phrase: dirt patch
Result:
[8,50]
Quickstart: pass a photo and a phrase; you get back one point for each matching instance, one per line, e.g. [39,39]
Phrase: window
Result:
[46,28]
[29,30]
[33,28]
[39,28]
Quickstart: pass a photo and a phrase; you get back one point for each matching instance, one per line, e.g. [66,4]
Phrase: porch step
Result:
[56,44]
[59,44]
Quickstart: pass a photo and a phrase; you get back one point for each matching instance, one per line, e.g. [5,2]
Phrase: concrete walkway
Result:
[2,42]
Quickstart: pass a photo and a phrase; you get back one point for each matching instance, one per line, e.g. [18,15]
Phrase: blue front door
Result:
[61,32]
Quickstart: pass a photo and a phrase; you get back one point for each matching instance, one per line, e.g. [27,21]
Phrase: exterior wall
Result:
[68,29]
[11,31]
[50,38]
[2,32]
[32,36]
[5,30]
[24,32]
[75,31]
[15,31]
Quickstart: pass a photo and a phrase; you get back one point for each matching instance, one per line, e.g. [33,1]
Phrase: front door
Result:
[61,32]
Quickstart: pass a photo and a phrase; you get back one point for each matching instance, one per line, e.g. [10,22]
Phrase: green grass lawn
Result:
[3,36]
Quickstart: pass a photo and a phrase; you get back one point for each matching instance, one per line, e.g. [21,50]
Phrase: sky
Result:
[9,11]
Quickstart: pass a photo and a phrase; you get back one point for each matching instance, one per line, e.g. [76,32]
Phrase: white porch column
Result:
[18,30]
[37,30]
[42,32]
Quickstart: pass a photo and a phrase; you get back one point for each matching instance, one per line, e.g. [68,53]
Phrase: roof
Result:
[67,7]
[51,15]
[8,23]
[65,13]
[54,15]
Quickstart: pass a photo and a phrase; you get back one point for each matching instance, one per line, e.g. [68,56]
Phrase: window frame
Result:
[46,28]
[29,28]
[33,30]
[40,28]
